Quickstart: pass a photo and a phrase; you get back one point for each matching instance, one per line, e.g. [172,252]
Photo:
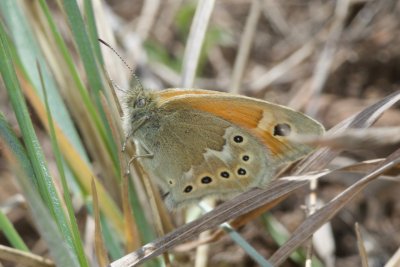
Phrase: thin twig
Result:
[326,58]
[147,17]
[245,45]
[320,75]
[283,67]
[273,12]
[195,41]
[361,248]
[24,258]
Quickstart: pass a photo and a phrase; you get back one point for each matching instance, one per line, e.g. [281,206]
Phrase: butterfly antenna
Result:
[123,61]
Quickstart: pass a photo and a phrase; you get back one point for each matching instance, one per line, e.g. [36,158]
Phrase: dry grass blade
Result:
[202,252]
[319,159]
[315,221]
[367,166]
[129,222]
[361,247]
[117,135]
[236,223]
[195,41]
[369,115]
[99,247]
[283,67]
[245,45]
[236,237]
[153,198]
[325,60]
[130,227]
[395,260]
[322,157]
[24,258]
[77,163]
[355,138]
[240,205]
[147,18]
[273,13]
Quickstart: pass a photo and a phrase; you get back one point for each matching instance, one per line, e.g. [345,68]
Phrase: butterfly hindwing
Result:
[196,155]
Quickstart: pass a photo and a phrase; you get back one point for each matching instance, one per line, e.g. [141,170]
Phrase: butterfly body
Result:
[205,143]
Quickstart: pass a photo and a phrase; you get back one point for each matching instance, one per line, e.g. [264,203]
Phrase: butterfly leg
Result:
[148,155]
[139,124]
[128,169]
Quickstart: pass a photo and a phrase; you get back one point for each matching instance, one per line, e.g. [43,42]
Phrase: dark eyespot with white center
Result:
[245,158]
[188,189]
[238,139]
[206,180]
[140,103]
[225,174]
[241,171]
[282,129]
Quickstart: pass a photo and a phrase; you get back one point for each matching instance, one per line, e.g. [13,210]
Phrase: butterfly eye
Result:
[140,103]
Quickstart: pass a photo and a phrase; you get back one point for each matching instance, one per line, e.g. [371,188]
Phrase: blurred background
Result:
[329,59]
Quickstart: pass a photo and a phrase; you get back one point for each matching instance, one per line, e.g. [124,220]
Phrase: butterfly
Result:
[199,143]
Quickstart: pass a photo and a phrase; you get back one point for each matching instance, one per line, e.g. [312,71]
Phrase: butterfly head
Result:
[138,106]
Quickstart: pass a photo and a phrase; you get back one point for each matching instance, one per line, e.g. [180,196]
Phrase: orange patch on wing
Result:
[168,94]
[239,115]
[246,117]
[277,147]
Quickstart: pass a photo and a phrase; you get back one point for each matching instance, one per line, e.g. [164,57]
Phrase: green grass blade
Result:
[44,181]
[70,64]
[92,29]
[92,69]
[77,241]
[281,235]
[11,234]
[71,69]
[88,104]
[59,249]
[113,243]
[84,47]
[239,240]
[111,240]
[29,53]
[146,231]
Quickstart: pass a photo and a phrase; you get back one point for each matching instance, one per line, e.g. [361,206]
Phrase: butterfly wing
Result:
[272,124]
[196,154]
[210,143]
